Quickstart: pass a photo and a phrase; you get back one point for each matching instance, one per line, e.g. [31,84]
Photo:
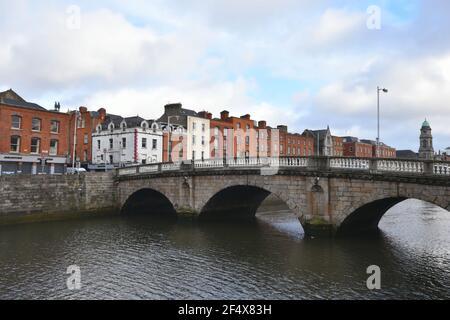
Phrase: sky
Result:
[305,64]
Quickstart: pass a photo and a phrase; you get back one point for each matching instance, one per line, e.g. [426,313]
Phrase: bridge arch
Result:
[364,216]
[240,201]
[149,201]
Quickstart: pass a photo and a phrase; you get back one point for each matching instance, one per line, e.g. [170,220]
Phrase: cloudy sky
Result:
[307,64]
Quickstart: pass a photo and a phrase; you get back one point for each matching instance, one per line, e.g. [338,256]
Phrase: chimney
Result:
[83,109]
[102,113]
[282,128]
[205,114]
[224,115]
[262,124]
[246,117]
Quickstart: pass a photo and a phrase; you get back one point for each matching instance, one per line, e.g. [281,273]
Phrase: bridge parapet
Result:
[325,164]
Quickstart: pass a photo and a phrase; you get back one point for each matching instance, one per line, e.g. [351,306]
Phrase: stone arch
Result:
[364,216]
[244,198]
[148,201]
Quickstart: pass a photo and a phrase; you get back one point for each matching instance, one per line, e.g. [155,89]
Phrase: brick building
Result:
[338,146]
[384,151]
[86,123]
[32,139]
[294,144]
[355,148]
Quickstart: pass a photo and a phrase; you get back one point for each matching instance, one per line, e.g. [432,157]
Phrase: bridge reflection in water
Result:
[328,195]
[141,257]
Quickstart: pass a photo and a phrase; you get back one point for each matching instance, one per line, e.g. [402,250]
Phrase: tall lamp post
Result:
[378,118]
[74,138]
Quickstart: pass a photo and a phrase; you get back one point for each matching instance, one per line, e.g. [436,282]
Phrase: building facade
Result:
[354,148]
[197,130]
[323,141]
[82,124]
[126,141]
[33,140]
[338,146]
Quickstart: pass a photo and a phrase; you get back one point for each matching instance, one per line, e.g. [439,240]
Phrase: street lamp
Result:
[378,118]
[74,138]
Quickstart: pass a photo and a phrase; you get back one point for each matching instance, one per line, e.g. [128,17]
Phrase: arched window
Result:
[111,127]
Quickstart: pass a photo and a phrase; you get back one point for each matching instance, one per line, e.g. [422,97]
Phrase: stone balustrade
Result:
[412,167]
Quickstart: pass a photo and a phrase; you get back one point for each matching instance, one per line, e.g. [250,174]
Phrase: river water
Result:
[144,258]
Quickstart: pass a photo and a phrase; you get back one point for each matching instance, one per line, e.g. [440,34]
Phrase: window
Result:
[154,144]
[203,140]
[225,132]
[35,145]
[238,125]
[144,143]
[111,158]
[111,143]
[85,155]
[247,127]
[98,144]
[81,122]
[247,140]
[124,143]
[193,125]
[15,144]
[53,147]
[203,155]
[16,122]
[203,127]
[86,138]
[193,140]
[36,124]
[54,126]
[193,155]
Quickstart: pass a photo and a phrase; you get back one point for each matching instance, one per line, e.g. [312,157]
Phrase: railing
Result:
[350,163]
[400,166]
[441,168]
[372,165]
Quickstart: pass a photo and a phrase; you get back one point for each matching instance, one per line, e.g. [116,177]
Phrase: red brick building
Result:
[355,148]
[32,139]
[338,146]
[86,122]
[294,144]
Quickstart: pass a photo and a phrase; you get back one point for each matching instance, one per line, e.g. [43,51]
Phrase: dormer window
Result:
[99,128]
[123,125]
[111,127]
[144,126]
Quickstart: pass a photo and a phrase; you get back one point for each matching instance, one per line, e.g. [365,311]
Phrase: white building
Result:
[126,141]
[197,130]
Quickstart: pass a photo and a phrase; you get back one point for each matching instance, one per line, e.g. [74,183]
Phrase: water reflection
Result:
[140,257]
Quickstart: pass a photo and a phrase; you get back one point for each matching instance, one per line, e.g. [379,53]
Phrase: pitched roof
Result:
[11,98]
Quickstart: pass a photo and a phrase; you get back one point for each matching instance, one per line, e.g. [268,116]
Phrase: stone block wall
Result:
[47,197]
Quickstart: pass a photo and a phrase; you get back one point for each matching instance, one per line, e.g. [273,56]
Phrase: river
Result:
[143,258]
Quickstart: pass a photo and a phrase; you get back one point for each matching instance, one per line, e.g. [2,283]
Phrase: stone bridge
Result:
[329,195]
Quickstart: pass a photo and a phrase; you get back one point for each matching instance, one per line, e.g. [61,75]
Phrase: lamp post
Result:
[74,139]
[378,118]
